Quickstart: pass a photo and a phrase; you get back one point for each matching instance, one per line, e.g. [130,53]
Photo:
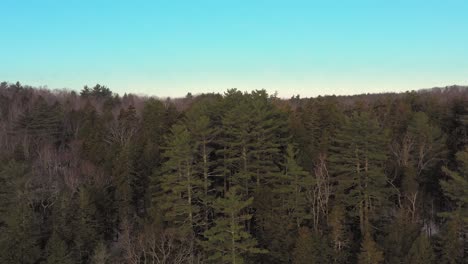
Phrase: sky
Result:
[170,48]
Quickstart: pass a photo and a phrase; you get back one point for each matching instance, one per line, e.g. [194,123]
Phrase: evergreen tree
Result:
[101,255]
[203,133]
[309,248]
[43,122]
[86,227]
[357,160]
[227,241]
[18,242]
[180,186]
[428,142]
[274,229]
[370,253]
[295,182]
[92,133]
[57,251]
[147,152]
[251,140]
[85,92]
[153,131]
[339,235]
[458,126]
[124,174]
[456,187]
[453,243]
[427,148]
[215,178]
[18,226]
[401,234]
[281,210]
[421,251]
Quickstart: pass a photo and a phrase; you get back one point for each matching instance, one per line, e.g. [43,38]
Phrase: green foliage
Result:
[453,244]
[180,186]
[18,225]
[282,209]
[18,242]
[92,132]
[292,188]
[421,251]
[227,241]
[309,248]
[357,158]
[85,222]
[124,173]
[321,119]
[275,230]
[98,91]
[43,120]
[401,236]
[428,143]
[252,141]
[456,187]
[242,177]
[339,235]
[370,252]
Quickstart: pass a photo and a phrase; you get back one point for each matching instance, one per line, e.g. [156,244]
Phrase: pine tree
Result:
[152,133]
[18,226]
[370,253]
[458,126]
[57,251]
[410,191]
[227,241]
[92,132]
[456,187]
[421,251]
[180,186]
[86,228]
[321,119]
[357,159]
[147,152]
[309,248]
[252,137]
[85,92]
[282,209]
[18,242]
[424,148]
[101,255]
[428,142]
[274,228]
[203,133]
[124,173]
[401,235]
[453,244]
[43,120]
[339,235]
[269,136]
[294,182]
[236,141]
[303,251]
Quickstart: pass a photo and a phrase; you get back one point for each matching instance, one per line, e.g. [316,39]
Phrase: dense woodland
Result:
[238,177]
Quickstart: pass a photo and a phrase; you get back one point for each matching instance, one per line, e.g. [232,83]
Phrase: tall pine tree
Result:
[357,159]
[228,241]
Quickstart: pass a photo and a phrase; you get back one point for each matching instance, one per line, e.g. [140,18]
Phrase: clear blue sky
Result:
[169,48]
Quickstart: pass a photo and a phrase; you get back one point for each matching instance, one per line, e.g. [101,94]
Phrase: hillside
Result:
[237,177]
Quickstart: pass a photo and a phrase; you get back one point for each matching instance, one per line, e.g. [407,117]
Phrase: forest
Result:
[233,177]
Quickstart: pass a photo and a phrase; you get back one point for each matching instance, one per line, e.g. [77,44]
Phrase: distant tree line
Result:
[238,177]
